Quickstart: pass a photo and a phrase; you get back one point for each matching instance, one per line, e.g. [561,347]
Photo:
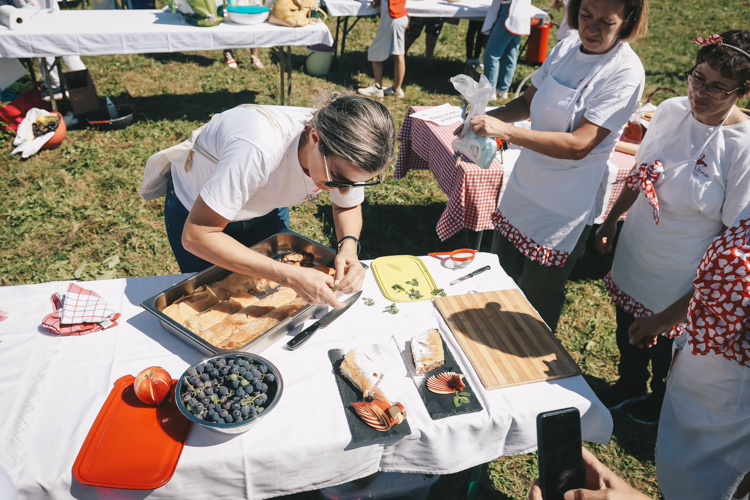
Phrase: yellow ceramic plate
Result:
[397,270]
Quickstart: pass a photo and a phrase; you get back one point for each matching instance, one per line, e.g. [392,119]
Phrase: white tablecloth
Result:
[465,9]
[53,387]
[107,32]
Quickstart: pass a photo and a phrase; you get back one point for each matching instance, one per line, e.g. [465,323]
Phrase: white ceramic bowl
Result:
[243,18]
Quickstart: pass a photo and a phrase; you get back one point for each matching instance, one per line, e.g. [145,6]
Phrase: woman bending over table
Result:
[252,162]
[579,102]
[693,172]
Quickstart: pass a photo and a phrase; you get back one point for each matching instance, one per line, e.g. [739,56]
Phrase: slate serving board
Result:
[361,432]
[439,405]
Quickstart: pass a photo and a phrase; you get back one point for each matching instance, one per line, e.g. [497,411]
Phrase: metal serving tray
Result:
[275,247]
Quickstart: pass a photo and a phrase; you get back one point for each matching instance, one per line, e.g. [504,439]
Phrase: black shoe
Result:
[646,412]
[620,394]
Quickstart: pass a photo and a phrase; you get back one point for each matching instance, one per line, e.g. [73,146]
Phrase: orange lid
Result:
[132,445]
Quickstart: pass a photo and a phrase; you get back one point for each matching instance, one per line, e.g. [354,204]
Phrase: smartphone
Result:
[558,436]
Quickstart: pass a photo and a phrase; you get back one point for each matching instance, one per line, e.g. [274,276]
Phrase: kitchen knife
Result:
[470,275]
[323,322]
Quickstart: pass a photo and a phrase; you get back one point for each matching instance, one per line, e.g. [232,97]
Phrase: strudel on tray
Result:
[427,351]
[360,368]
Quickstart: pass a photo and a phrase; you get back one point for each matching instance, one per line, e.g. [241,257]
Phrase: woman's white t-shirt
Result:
[655,264]
[258,169]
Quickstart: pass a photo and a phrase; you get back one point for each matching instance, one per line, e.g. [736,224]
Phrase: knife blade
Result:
[323,322]
[470,275]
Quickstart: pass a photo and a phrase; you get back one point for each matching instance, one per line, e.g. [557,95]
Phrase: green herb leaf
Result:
[456,400]
[415,294]
[438,291]
[398,288]
[467,394]
[391,309]
[368,301]
[413,282]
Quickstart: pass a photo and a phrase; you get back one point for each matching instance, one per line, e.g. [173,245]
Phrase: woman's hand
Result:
[313,286]
[605,235]
[645,331]
[349,271]
[487,126]
[600,484]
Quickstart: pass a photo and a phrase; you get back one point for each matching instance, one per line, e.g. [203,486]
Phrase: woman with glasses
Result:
[252,162]
[579,102]
[692,180]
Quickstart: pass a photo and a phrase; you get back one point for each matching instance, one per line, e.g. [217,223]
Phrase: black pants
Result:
[544,286]
[633,365]
[475,40]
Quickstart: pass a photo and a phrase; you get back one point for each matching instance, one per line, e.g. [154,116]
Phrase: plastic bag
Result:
[480,150]
[25,142]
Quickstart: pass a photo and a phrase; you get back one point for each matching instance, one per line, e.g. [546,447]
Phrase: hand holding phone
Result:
[560,459]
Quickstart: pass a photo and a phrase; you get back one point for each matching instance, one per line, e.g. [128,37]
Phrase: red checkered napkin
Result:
[79,312]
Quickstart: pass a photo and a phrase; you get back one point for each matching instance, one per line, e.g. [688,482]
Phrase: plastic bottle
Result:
[111,109]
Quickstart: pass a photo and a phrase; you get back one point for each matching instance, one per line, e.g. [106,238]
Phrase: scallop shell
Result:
[446,383]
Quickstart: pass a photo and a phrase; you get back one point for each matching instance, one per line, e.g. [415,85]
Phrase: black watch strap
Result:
[353,238]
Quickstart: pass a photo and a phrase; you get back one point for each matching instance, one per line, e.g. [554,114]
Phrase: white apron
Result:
[158,169]
[549,200]
[655,265]
[703,443]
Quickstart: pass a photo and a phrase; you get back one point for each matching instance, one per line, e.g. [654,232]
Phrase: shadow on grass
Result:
[594,265]
[635,439]
[403,230]
[179,57]
[193,107]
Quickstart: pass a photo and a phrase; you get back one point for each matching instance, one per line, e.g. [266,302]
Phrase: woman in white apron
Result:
[229,186]
[693,172]
[579,102]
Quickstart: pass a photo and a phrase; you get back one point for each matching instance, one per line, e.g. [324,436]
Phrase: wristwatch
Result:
[342,240]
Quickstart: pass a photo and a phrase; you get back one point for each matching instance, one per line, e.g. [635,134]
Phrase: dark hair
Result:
[636,18]
[357,129]
[729,62]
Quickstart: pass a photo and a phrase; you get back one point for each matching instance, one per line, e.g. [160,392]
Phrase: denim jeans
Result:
[633,367]
[248,232]
[501,53]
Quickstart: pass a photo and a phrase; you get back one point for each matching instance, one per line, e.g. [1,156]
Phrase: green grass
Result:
[75,213]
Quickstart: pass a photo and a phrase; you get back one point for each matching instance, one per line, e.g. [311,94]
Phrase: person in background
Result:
[230,60]
[389,40]
[475,41]
[692,181]
[564,30]
[432,28]
[600,484]
[579,102]
[501,51]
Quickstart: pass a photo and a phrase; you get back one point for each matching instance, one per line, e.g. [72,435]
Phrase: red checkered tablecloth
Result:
[473,192]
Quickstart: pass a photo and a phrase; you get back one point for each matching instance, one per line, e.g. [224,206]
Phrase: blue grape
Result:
[221,420]
[205,377]
[214,416]
[225,370]
[208,367]
[223,413]
[199,407]
[199,416]
[264,397]
[226,405]
[221,362]
[236,414]
[245,411]
[228,419]
[200,395]
[242,370]
[192,371]
[193,402]
[269,377]
[255,373]
[205,401]
[264,387]
[234,370]
[236,406]
[263,368]
[230,362]
[199,368]
[208,391]
[211,406]
[199,384]
[258,385]
[214,373]
[223,391]
[235,383]
[241,393]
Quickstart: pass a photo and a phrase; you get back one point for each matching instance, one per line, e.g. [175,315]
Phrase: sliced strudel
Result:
[427,351]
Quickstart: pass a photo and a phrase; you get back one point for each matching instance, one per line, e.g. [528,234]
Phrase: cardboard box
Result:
[83,98]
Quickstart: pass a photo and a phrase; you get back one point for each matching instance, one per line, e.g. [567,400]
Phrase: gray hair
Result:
[357,129]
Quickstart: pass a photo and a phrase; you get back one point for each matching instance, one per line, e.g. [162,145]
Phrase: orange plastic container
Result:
[59,135]
[536,49]
[132,445]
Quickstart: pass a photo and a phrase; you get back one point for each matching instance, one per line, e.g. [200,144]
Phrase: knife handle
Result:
[303,336]
[479,271]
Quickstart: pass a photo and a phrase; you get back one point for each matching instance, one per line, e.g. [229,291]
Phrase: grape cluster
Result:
[226,390]
[40,129]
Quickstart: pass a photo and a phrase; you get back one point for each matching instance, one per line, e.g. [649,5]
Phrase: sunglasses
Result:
[346,184]
[714,92]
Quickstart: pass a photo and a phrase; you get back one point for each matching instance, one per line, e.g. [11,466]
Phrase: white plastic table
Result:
[53,387]
[108,32]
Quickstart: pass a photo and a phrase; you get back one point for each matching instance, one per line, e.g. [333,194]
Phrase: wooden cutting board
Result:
[505,339]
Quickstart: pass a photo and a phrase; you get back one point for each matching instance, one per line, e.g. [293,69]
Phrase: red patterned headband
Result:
[716,39]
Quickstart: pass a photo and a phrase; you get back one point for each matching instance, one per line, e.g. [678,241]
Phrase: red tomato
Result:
[152,385]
